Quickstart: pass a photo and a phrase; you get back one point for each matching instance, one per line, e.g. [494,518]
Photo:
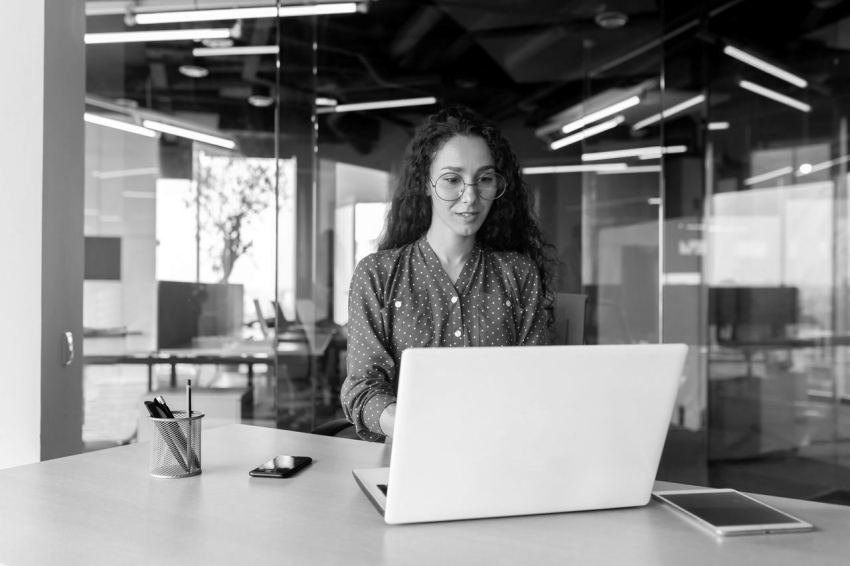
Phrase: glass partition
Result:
[775,248]
[192,180]
[688,164]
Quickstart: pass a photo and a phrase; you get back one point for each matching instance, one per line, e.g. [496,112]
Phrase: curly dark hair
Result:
[511,224]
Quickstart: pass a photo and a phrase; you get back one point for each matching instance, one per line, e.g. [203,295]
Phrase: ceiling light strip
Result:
[377,105]
[244,13]
[317,10]
[118,125]
[773,95]
[204,15]
[242,50]
[548,170]
[824,165]
[634,152]
[161,35]
[122,173]
[599,114]
[769,175]
[591,131]
[638,169]
[699,99]
[716,126]
[762,65]
[189,134]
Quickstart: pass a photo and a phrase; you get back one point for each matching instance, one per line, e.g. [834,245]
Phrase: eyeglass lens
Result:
[451,185]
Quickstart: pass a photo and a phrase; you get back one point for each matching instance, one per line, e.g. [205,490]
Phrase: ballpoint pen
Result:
[189,454]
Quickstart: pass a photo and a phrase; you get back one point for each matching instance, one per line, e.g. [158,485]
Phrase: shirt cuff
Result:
[373,409]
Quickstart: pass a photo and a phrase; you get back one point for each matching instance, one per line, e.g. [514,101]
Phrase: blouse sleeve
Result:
[533,330]
[368,388]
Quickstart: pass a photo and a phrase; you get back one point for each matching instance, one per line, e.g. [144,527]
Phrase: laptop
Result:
[506,431]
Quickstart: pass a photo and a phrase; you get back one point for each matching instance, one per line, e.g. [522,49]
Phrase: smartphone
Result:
[281,467]
[729,512]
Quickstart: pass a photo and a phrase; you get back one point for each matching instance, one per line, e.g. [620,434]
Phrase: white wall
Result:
[20,258]
[41,259]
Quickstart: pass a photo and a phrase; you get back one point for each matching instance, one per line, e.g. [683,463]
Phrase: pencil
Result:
[190,457]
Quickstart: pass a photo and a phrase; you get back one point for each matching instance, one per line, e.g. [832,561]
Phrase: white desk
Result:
[102,507]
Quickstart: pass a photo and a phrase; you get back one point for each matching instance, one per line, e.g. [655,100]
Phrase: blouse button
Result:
[397,304]
[457,333]
[508,303]
[454,299]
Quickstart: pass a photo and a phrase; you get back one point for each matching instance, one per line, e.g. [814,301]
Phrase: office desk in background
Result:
[103,507]
[290,346]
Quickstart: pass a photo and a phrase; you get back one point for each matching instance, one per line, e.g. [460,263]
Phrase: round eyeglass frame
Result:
[465,184]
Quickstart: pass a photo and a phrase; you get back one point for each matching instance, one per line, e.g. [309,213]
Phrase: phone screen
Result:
[728,508]
[281,466]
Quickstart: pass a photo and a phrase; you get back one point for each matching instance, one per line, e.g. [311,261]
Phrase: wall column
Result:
[41,256]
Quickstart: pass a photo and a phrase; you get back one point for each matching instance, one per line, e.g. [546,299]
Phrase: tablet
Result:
[729,512]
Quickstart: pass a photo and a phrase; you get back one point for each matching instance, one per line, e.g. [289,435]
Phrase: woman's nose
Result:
[470,194]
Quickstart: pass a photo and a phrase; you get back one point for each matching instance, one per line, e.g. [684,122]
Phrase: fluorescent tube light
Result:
[714,126]
[204,15]
[639,169]
[161,35]
[244,50]
[586,133]
[773,95]
[683,278]
[572,168]
[118,125]
[325,101]
[189,134]
[769,175]
[318,10]
[634,152]
[244,13]
[378,105]
[824,165]
[599,114]
[667,112]
[121,173]
[754,61]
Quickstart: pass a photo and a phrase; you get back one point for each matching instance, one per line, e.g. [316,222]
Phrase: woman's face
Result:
[468,158]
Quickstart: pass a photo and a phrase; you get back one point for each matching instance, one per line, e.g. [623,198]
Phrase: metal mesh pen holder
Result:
[171,455]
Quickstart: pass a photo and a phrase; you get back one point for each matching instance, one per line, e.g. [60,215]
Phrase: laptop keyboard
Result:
[383,488]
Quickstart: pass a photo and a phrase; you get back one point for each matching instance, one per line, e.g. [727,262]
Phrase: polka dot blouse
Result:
[403,298]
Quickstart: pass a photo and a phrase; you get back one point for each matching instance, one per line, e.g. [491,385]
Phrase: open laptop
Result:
[495,432]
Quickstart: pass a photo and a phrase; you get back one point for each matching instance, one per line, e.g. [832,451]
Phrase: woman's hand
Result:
[388,420]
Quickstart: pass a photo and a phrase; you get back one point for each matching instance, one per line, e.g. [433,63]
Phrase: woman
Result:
[461,263]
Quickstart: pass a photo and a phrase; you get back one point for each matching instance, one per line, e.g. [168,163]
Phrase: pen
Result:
[189,456]
[161,401]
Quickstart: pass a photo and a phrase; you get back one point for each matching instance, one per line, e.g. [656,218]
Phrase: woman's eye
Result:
[486,179]
[451,179]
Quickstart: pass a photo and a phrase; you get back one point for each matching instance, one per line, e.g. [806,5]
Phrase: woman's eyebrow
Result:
[461,169]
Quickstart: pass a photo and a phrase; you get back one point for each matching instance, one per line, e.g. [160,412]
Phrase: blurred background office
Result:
[233,161]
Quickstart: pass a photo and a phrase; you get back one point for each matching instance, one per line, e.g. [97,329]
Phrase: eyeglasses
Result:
[450,186]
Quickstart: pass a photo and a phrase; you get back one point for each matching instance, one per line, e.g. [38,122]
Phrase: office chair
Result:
[570,320]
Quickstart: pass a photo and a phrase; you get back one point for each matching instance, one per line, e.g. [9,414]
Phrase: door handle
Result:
[68,349]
